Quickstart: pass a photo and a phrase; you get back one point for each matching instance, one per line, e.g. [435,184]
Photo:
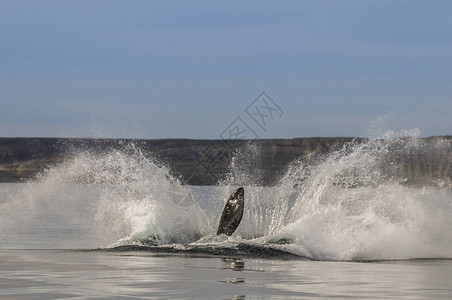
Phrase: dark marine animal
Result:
[232,213]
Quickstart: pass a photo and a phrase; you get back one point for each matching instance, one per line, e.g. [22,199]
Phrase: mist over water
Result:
[340,206]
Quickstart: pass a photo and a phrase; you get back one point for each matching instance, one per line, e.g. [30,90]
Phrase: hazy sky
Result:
[188,69]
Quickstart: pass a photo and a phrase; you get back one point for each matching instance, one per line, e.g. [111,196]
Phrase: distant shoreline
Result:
[203,161]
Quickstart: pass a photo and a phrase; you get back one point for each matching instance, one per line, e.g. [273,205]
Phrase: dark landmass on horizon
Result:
[205,162]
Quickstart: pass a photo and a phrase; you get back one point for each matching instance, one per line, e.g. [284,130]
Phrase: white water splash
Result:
[133,198]
[342,207]
[339,206]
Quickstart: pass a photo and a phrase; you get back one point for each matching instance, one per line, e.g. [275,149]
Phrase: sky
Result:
[197,69]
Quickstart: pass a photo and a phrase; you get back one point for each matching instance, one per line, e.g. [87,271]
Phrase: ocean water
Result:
[119,225]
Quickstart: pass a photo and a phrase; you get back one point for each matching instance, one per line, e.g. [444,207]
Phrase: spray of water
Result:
[343,206]
[132,198]
[337,206]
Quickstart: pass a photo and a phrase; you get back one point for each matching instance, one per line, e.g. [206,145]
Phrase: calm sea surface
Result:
[58,274]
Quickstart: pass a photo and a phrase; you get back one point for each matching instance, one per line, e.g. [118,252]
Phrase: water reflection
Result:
[236,297]
[234,281]
[234,264]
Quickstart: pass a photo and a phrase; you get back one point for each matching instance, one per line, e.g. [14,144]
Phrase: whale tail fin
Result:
[232,213]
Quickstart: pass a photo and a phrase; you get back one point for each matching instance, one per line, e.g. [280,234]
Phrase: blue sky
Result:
[187,69]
